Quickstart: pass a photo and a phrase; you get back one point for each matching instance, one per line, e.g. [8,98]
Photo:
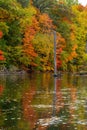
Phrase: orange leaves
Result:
[72,36]
[1,34]
[1,56]
[29,34]
[29,50]
[28,111]
[45,22]
[30,31]
[59,61]
[61,44]
[73,54]
[66,20]
[74,47]
[1,89]
[1,53]
[80,8]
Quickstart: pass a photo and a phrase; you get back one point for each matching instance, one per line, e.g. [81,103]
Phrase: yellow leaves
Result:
[44,18]
[45,23]
[28,15]
[43,44]
[47,68]
[4,15]
[4,27]
[74,47]
[72,55]
[72,36]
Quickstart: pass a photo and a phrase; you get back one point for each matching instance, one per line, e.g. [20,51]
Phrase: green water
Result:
[42,102]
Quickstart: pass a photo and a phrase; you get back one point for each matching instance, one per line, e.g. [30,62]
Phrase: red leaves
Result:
[1,56]
[1,34]
[60,46]
[1,89]
[1,52]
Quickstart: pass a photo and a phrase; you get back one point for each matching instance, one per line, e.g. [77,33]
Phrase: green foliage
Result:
[64,30]
[12,6]
[15,56]
[26,38]
[4,27]
[80,32]
[24,3]
[71,2]
[43,45]
[44,5]
[14,36]
[27,15]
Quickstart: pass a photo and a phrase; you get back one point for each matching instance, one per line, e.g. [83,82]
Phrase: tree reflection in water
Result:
[42,102]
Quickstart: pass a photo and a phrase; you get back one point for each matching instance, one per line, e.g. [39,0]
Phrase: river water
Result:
[42,102]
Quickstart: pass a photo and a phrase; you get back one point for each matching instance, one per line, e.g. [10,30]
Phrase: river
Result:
[38,101]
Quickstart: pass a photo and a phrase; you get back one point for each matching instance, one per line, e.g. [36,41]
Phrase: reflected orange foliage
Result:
[28,111]
[73,99]
[73,94]
[1,89]
[60,46]
[59,96]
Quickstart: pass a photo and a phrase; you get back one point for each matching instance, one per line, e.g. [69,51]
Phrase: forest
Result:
[26,35]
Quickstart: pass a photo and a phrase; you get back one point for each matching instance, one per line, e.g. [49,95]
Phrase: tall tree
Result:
[62,18]
[80,21]
[24,3]
[44,5]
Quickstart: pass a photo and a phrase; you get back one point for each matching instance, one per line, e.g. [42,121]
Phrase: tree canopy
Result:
[26,34]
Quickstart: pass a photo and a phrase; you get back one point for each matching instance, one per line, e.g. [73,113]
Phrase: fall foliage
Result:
[1,34]
[26,34]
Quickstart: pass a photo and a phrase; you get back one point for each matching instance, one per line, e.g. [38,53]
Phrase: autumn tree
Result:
[13,21]
[28,48]
[62,18]
[44,5]
[81,33]
[2,58]
[43,43]
[24,3]
[1,34]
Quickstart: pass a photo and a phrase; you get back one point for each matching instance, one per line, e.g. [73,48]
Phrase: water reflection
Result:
[42,102]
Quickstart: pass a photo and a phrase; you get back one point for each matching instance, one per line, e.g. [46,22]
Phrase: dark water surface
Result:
[40,102]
